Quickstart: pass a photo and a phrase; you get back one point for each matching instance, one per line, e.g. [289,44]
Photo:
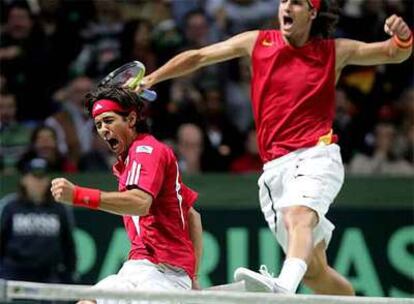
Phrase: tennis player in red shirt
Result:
[157,208]
[293,98]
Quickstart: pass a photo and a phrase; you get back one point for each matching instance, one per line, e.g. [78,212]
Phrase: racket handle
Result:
[148,95]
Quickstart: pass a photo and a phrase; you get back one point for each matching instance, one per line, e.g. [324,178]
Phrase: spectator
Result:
[190,147]
[224,140]
[14,136]
[405,142]
[63,22]
[198,30]
[167,39]
[102,47]
[98,158]
[249,161]
[156,11]
[72,125]
[348,122]
[179,9]
[24,59]
[43,144]
[383,159]
[136,43]
[235,16]
[36,234]
[238,105]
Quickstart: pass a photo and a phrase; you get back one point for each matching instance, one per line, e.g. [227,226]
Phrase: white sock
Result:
[292,274]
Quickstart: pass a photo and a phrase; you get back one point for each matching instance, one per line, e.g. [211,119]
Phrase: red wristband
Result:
[403,44]
[86,197]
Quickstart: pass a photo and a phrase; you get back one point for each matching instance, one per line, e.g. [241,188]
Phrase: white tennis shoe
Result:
[258,282]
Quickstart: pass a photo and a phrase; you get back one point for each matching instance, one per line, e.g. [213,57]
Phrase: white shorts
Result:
[144,275]
[310,177]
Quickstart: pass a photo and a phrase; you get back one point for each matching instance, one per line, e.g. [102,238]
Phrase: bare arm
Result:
[131,202]
[189,61]
[351,52]
[196,235]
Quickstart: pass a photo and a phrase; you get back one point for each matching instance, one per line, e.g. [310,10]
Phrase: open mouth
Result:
[113,143]
[287,21]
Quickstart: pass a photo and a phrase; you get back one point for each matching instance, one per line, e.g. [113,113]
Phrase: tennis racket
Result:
[121,75]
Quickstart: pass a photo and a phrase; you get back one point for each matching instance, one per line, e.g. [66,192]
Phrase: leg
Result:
[323,279]
[299,222]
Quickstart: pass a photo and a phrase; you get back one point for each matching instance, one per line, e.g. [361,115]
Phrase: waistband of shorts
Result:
[283,159]
[292,155]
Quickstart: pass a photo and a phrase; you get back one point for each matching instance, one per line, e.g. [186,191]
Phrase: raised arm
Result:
[394,50]
[131,202]
[189,61]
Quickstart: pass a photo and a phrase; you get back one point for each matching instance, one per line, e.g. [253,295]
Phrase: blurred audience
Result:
[136,44]
[24,54]
[98,158]
[224,140]
[14,136]
[71,123]
[382,159]
[36,242]
[236,16]
[238,106]
[43,144]
[190,146]
[101,49]
[249,161]
[47,45]
[405,141]
[198,30]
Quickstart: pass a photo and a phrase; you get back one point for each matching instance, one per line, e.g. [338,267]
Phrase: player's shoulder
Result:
[269,38]
[269,33]
[148,144]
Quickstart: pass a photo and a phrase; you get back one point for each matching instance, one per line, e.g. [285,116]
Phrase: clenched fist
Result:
[395,25]
[62,190]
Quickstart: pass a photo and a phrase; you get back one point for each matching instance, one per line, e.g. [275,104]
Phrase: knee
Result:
[299,217]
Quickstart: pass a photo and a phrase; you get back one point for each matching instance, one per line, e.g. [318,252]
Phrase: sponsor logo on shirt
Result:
[144,149]
[267,42]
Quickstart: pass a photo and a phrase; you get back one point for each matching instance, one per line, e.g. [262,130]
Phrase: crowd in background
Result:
[54,51]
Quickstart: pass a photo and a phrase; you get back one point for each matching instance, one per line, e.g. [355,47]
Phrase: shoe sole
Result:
[252,280]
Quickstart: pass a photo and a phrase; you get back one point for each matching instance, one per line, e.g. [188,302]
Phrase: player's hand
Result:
[62,190]
[145,83]
[395,25]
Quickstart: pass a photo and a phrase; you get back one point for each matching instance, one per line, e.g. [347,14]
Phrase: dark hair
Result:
[124,97]
[324,25]
[40,128]
[128,34]
[194,12]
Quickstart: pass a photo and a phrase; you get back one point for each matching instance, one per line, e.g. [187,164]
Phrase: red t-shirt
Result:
[162,236]
[293,93]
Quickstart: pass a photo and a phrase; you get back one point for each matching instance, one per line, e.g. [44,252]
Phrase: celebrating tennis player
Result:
[157,208]
[293,98]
